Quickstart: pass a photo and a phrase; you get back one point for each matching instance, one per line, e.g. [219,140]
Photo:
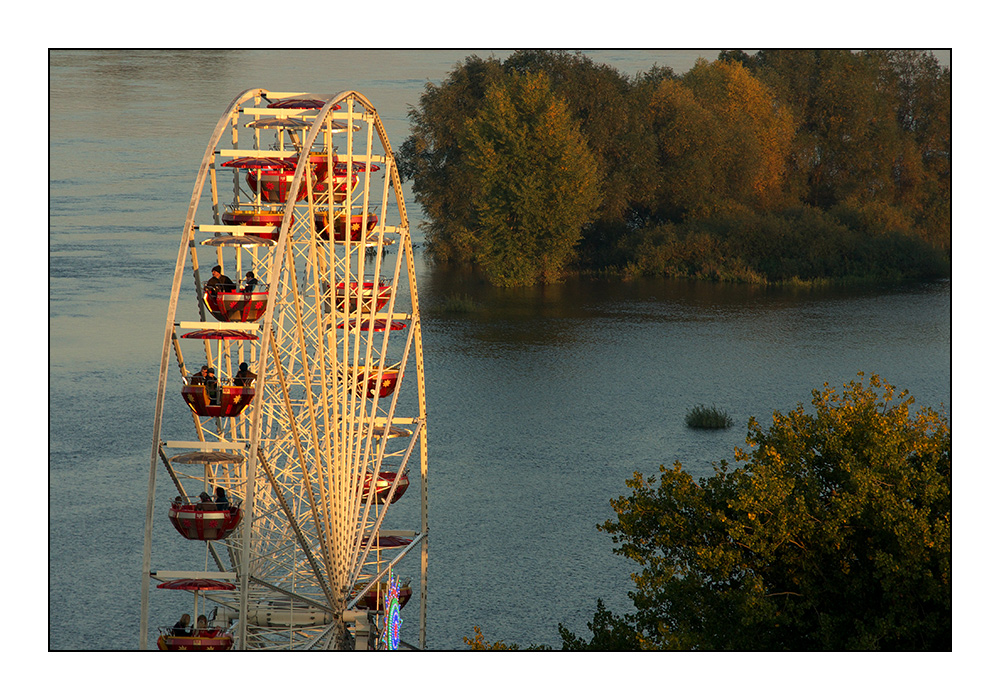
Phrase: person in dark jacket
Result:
[180,628]
[212,384]
[244,377]
[219,282]
[201,377]
[249,282]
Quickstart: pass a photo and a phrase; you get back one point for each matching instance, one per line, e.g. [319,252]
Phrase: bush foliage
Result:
[833,533]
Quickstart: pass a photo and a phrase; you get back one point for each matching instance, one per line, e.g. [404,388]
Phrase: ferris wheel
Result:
[293,341]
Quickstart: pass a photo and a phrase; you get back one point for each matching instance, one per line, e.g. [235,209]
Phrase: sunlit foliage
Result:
[712,174]
[535,182]
[832,533]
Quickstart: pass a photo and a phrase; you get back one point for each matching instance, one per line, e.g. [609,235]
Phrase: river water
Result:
[541,402]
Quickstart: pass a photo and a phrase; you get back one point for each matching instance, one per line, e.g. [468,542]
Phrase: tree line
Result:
[774,167]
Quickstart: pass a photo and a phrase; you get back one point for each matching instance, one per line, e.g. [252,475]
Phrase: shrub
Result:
[459,304]
[708,418]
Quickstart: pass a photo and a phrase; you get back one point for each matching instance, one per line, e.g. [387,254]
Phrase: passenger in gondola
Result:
[200,377]
[249,282]
[203,629]
[180,628]
[212,384]
[219,282]
[244,377]
[221,500]
[206,502]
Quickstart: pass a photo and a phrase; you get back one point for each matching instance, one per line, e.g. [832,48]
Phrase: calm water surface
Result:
[541,403]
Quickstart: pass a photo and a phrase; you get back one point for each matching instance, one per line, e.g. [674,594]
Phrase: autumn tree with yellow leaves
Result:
[833,532]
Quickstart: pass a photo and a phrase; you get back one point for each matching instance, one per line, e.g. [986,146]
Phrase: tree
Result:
[833,534]
[432,156]
[921,95]
[610,633]
[479,643]
[535,183]
[502,170]
[756,132]
[603,103]
[688,175]
[723,140]
[847,138]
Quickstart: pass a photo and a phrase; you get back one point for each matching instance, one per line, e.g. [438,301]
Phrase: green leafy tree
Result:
[609,633]
[432,156]
[604,104]
[833,534]
[536,185]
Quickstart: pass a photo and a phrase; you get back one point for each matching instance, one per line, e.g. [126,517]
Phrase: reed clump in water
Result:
[459,304]
[704,418]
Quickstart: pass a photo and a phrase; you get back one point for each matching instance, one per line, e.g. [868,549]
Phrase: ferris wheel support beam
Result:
[293,521]
[322,519]
[255,429]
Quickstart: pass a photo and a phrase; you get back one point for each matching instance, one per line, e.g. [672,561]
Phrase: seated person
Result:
[206,502]
[202,629]
[201,377]
[180,628]
[221,500]
[212,384]
[219,282]
[244,377]
[249,282]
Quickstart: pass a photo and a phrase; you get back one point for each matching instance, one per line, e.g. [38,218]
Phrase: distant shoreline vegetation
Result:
[782,167]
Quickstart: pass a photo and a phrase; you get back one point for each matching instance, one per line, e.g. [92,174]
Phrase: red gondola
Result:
[369,384]
[300,103]
[255,217]
[368,297]
[382,484]
[371,600]
[193,523]
[231,400]
[275,175]
[236,306]
[275,183]
[323,224]
[210,640]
